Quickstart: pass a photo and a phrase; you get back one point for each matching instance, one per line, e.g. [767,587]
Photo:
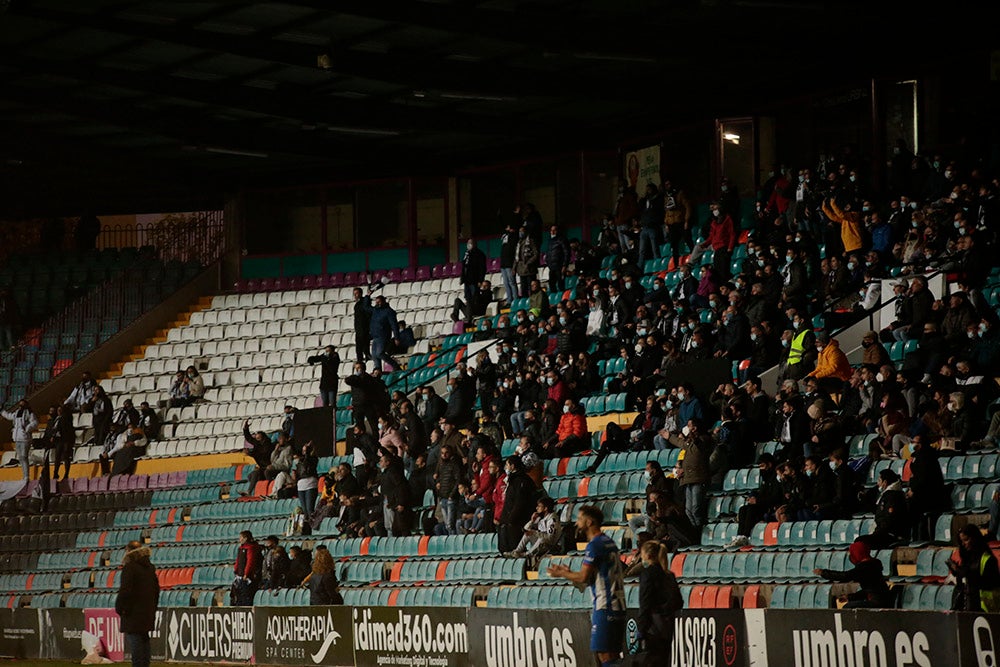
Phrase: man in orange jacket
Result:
[832,368]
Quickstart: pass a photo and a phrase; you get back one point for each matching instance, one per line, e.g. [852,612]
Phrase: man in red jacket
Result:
[249,562]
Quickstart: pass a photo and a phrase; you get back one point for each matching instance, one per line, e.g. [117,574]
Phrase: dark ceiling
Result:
[137,105]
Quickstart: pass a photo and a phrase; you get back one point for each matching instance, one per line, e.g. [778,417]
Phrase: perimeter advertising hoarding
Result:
[820,638]
[979,639]
[209,635]
[19,633]
[411,636]
[303,636]
[709,638]
[525,637]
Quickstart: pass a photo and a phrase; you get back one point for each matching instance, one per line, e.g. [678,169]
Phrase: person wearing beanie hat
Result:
[873,592]
[892,517]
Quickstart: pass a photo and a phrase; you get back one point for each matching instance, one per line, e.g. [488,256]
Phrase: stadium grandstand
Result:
[447,333]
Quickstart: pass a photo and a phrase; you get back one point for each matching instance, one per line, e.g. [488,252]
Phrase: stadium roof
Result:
[122,104]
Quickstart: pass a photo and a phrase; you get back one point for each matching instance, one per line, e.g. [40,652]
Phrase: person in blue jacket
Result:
[384,328]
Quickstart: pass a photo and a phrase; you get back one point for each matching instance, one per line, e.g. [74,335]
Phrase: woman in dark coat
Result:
[659,599]
[138,597]
[977,571]
[323,586]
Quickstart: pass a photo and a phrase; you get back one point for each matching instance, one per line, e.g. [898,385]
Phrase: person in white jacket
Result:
[23,424]
[542,533]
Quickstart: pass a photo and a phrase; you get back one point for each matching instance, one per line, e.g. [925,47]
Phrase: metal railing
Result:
[198,239]
[182,237]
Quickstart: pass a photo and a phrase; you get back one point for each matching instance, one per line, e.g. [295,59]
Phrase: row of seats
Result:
[763,566]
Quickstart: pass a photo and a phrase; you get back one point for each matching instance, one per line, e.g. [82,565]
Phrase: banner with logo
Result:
[107,626]
[303,636]
[430,636]
[641,167]
[61,631]
[817,638]
[209,635]
[701,637]
[521,637]
[979,639]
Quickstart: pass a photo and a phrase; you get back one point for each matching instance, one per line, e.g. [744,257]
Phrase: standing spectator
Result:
[397,505]
[369,397]
[323,586]
[849,222]
[23,423]
[659,599]
[138,598]
[721,239]
[8,320]
[602,570]
[307,480]
[81,399]
[697,475]
[430,408]
[977,572]
[531,220]
[259,447]
[651,219]
[678,213]
[927,493]
[449,476]
[526,261]
[508,248]
[267,560]
[329,375]
[88,228]
[60,436]
[249,562]
[557,259]
[299,566]
[278,572]
[517,505]
[473,270]
[362,324]
[103,412]
[384,328]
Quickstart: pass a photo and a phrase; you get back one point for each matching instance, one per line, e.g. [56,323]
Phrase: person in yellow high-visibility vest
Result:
[978,573]
[801,357]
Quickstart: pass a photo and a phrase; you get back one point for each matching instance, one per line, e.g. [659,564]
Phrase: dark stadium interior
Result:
[119,105]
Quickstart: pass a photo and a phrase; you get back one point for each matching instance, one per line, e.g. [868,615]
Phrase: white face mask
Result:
[647,475]
[880,377]
[686,431]
[565,409]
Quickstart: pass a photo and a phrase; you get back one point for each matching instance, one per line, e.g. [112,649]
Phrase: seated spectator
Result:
[542,533]
[670,524]
[875,353]
[81,399]
[656,481]
[892,520]
[761,503]
[149,420]
[129,445]
[571,436]
[832,368]
[180,391]
[819,491]
[827,431]
[873,590]
[195,383]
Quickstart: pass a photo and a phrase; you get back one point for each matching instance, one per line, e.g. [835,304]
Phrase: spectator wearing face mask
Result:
[696,473]
[369,396]
[892,519]
[832,368]
[526,257]
[571,435]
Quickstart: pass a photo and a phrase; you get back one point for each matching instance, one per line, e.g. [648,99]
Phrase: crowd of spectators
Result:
[820,244]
